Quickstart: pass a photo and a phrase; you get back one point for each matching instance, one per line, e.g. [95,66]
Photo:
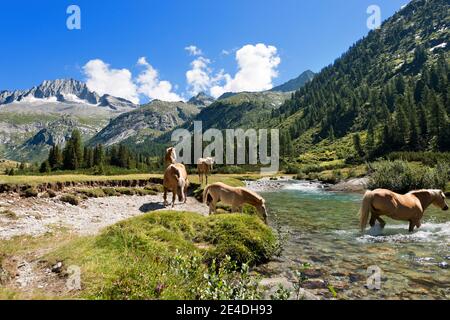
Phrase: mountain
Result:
[64,91]
[295,84]
[201,100]
[55,133]
[27,113]
[392,86]
[148,121]
[241,110]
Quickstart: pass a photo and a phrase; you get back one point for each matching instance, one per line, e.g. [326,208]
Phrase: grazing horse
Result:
[176,181]
[170,158]
[236,197]
[204,167]
[408,207]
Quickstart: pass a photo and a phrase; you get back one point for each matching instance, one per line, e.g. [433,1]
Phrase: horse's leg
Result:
[411,226]
[206,178]
[382,222]
[174,196]
[418,224]
[185,193]
[165,197]
[373,217]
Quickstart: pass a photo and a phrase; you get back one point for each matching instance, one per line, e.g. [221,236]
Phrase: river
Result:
[322,230]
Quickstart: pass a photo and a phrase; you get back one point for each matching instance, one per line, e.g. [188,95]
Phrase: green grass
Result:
[135,259]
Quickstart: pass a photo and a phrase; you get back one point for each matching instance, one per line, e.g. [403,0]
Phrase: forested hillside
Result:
[393,84]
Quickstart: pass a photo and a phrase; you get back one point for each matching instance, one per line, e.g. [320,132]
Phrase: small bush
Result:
[71,199]
[110,192]
[51,193]
[92,193]
[9,214]
[401,176]
[30,193]
[126,191]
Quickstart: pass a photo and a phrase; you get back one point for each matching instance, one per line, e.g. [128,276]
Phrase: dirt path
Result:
[36,216]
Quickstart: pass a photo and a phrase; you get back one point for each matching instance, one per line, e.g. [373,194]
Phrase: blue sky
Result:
[36,44]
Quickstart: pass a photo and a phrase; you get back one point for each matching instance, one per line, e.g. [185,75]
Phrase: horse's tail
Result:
[205,194]
[365,210]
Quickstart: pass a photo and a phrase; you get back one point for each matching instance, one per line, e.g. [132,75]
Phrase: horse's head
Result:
[439,200]
[263,210]
[170,152]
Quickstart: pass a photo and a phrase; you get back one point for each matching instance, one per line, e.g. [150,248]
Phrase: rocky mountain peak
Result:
[202,100]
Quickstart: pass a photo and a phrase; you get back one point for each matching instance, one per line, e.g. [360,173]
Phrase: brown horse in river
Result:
[408,207]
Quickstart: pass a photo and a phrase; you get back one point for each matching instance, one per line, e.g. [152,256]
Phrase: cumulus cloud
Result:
[151,86]
[193,50]
[102,79]
[199,77]
[257,67]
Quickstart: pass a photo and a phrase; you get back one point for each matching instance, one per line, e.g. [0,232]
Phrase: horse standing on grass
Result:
[236,197]
[204,167]
[408,207]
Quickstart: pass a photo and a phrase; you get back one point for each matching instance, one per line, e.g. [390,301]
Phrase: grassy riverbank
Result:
[161,255]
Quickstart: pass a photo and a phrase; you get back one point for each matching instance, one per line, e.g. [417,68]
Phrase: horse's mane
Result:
[254,194]
[434,192]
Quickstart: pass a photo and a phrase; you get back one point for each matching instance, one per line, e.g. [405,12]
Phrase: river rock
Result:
[314,284]
[57,267]
[443,265]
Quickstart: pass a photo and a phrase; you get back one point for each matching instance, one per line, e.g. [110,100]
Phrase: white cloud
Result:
[153,88]
[198,78]
[104,80]
[257,68]
[193,50]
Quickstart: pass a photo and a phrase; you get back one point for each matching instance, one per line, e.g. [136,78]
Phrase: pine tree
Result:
[55,158]
[370,141]
[357,145]
[99,156]
[73,154]
[45,167]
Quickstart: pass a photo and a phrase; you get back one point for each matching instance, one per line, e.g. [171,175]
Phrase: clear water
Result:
[323,231]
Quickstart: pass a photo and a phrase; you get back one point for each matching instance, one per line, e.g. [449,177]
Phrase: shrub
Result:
[71,199]
[92,193]
[30,193]
[401,176]
[109,192]
[9,214]
[51,193]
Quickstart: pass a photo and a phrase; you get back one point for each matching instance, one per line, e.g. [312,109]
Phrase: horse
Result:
[408,207]
[204,167]
[236,197]
[171,157]
[176,181]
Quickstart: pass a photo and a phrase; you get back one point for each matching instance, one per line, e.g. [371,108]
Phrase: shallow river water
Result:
[323,231]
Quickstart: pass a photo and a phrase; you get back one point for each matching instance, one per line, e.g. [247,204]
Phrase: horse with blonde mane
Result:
[176,181]
[171,157]
[408,207]
[236,197]
[204,167]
